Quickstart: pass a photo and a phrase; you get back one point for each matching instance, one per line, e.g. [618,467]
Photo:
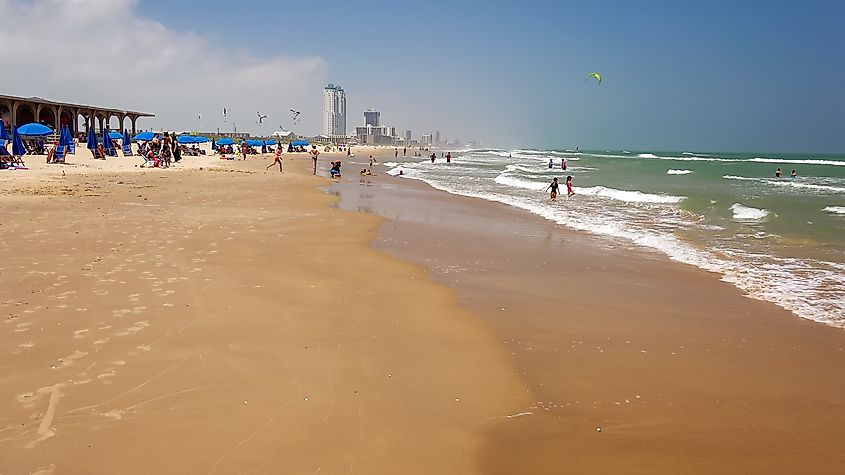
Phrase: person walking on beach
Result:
[449,157]
[314,154]
[563,164]
[405,151]
[277,159]
[244,148]
[777,173]
[396,153]
[569,192]
[433,156]
[166,149]
[177,152]
[554,187]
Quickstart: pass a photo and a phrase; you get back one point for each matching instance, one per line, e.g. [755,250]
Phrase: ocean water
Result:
[777,239]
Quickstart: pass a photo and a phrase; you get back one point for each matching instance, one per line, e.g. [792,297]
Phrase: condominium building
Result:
[334,110]
[371,117]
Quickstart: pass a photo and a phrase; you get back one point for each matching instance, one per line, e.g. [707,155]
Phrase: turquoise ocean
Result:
[777,239]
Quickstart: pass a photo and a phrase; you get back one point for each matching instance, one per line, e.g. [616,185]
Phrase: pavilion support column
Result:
[14,114]
[102,125]
[133,118]
[58,114]
[122,122]
[37,110]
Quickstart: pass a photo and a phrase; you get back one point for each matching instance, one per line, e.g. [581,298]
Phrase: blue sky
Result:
[744,76]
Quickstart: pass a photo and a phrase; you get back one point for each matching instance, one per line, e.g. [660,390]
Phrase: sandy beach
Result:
[220,319]
[229,321]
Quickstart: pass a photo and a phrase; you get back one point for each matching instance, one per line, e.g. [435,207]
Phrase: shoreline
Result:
[664,357]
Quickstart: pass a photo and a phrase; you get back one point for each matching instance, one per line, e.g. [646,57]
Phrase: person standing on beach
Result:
[551,165]
[314,154]
[433,156]
[277,159]
[396,153]
[244,148]
[554,187]
[166,149]
[569,192]
[563,164]
[177,152]
[449,157]
[405,151]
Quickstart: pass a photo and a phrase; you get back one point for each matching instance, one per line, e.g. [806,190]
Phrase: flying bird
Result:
[294,115]
[261,118]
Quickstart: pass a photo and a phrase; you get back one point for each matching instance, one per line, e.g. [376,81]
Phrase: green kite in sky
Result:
[594,75]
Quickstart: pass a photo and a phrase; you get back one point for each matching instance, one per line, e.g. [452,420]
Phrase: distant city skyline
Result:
[728,76]
[334,110]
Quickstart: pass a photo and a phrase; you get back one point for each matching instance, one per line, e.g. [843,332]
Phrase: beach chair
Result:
[71,149]
[59,154]
[127,150]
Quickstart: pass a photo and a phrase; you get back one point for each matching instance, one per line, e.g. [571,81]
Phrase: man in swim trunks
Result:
[314,154]
[554,187]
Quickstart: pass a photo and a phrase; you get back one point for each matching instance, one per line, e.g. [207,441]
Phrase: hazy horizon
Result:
[704,77]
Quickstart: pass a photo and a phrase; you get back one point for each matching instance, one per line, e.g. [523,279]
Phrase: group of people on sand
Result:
[778,173]
[160,153]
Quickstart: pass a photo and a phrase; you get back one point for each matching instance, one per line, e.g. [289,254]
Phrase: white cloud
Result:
[103,52]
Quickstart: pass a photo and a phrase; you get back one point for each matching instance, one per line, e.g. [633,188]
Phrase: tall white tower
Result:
[334,110]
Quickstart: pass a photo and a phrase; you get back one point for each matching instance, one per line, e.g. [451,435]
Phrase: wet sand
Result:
[229,321]
[679,371]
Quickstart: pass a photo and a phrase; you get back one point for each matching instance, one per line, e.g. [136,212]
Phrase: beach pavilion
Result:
[16,110]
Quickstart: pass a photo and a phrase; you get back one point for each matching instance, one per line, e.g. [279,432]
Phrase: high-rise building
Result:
[334,110]
[371,117]
[437,137]
[407,137]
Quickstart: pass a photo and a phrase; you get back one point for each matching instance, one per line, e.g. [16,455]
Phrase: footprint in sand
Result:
[26,344]
[80,333]
[22,327]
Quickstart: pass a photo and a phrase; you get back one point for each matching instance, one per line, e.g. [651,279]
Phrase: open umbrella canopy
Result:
[254,143]
[202,139]
[145,136]
[17,144]
[186,139]
[108,148]
[115,135]
[91,140]
[34,129]
[3,134]
[300,143]
[225,141]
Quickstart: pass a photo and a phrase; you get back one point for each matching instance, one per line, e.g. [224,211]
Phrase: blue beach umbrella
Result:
[225,141]
[3,134]
[186,139]
[108,148]
[201,139]
[145,136]
[64,137]
[300,143]
[17,144]
[34,129]
[115,135]
[92,139]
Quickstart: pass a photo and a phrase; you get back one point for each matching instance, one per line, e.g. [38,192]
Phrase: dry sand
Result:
[228,321]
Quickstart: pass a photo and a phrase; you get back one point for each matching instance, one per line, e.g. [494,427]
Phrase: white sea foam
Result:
[503,179]
[747,213]
[678,172]
[743,178]
[647,155]
[836,163]
[628,196]
[390,164]
[835,209]
[394,171]
[807,186]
